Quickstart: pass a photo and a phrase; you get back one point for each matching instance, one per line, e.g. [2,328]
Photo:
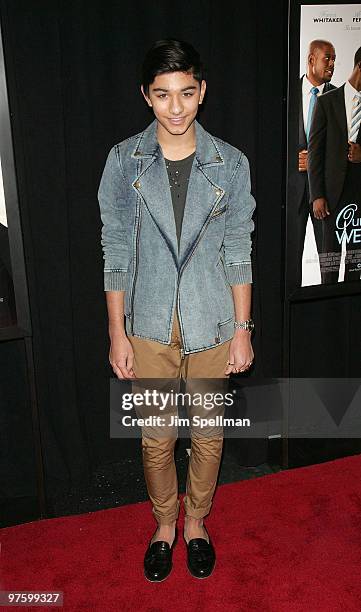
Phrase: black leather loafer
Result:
[158,560]
[201,557]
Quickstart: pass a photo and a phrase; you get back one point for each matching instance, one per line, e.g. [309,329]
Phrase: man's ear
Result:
[145,96]
[203,91]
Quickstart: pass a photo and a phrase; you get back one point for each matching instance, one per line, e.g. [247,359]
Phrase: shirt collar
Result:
[350,91]
[207,149]
[307,86]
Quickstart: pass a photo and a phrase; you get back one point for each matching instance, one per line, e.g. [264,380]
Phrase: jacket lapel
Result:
[203,192]
[340,110]
[153,186]
[301,128]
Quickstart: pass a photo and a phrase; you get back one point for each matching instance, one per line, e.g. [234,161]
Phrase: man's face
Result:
[322,64]
[175,97]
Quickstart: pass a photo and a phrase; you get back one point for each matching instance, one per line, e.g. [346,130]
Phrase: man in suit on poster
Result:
[334,172]
[320,67]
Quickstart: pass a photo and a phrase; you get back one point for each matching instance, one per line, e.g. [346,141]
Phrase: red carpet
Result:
[289,542]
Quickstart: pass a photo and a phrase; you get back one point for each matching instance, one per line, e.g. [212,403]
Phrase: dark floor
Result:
[122,483]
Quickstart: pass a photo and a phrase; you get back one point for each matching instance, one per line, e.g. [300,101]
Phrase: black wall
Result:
[73,78]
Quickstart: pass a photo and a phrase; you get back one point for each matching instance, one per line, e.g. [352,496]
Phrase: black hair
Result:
[171,55]
[357,56]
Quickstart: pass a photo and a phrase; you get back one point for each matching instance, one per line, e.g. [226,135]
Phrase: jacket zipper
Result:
[177,308]
[179,278]
[182,270]
[219,212]
[135,272]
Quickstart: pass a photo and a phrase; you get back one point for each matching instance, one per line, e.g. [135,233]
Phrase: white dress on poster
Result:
[310,264]
[311,274]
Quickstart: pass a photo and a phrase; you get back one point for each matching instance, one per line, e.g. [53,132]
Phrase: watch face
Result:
[250,325]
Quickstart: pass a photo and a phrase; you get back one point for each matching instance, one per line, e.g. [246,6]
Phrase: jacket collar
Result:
[203,193]
[207,151]
[338,97]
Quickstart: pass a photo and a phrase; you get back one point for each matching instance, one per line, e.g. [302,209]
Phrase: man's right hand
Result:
[302,161]
[320,208]
[121,356]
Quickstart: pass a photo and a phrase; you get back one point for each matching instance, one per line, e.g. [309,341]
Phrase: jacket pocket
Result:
[225,329]
[218,212]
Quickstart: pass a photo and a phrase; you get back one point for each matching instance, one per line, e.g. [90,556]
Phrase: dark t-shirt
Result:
[178,175]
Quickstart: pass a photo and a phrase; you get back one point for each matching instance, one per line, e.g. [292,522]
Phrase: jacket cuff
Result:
[316,196]
[115,280]
[239,274]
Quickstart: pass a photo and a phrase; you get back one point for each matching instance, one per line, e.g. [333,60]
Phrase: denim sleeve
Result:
[237,242]
[115,219]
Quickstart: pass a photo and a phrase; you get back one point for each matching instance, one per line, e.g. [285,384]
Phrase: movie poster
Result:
[328,201]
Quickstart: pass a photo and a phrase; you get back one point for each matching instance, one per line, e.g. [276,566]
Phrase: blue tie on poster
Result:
[314,92]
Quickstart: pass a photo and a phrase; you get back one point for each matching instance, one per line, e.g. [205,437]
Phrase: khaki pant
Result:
[155,360]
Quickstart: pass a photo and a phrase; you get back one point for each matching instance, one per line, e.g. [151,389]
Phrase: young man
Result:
[334,172]
[177,221]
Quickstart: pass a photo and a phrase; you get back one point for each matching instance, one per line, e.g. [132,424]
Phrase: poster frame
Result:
[310,292]
[22,328]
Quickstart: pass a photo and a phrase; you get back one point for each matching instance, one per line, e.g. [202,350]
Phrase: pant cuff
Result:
[166,519]
[197,513]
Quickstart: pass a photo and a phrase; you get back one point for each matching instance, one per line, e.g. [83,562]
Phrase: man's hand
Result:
[354,152]
[121,356]
[240,352]
[302,161]
[320,208]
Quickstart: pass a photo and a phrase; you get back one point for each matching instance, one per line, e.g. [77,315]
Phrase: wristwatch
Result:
[248,325]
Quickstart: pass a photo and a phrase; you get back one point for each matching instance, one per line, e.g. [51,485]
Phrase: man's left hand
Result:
[354,153]
[240,352]
[302,161]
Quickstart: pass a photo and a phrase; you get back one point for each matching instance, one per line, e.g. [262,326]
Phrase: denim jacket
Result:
[140,245]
